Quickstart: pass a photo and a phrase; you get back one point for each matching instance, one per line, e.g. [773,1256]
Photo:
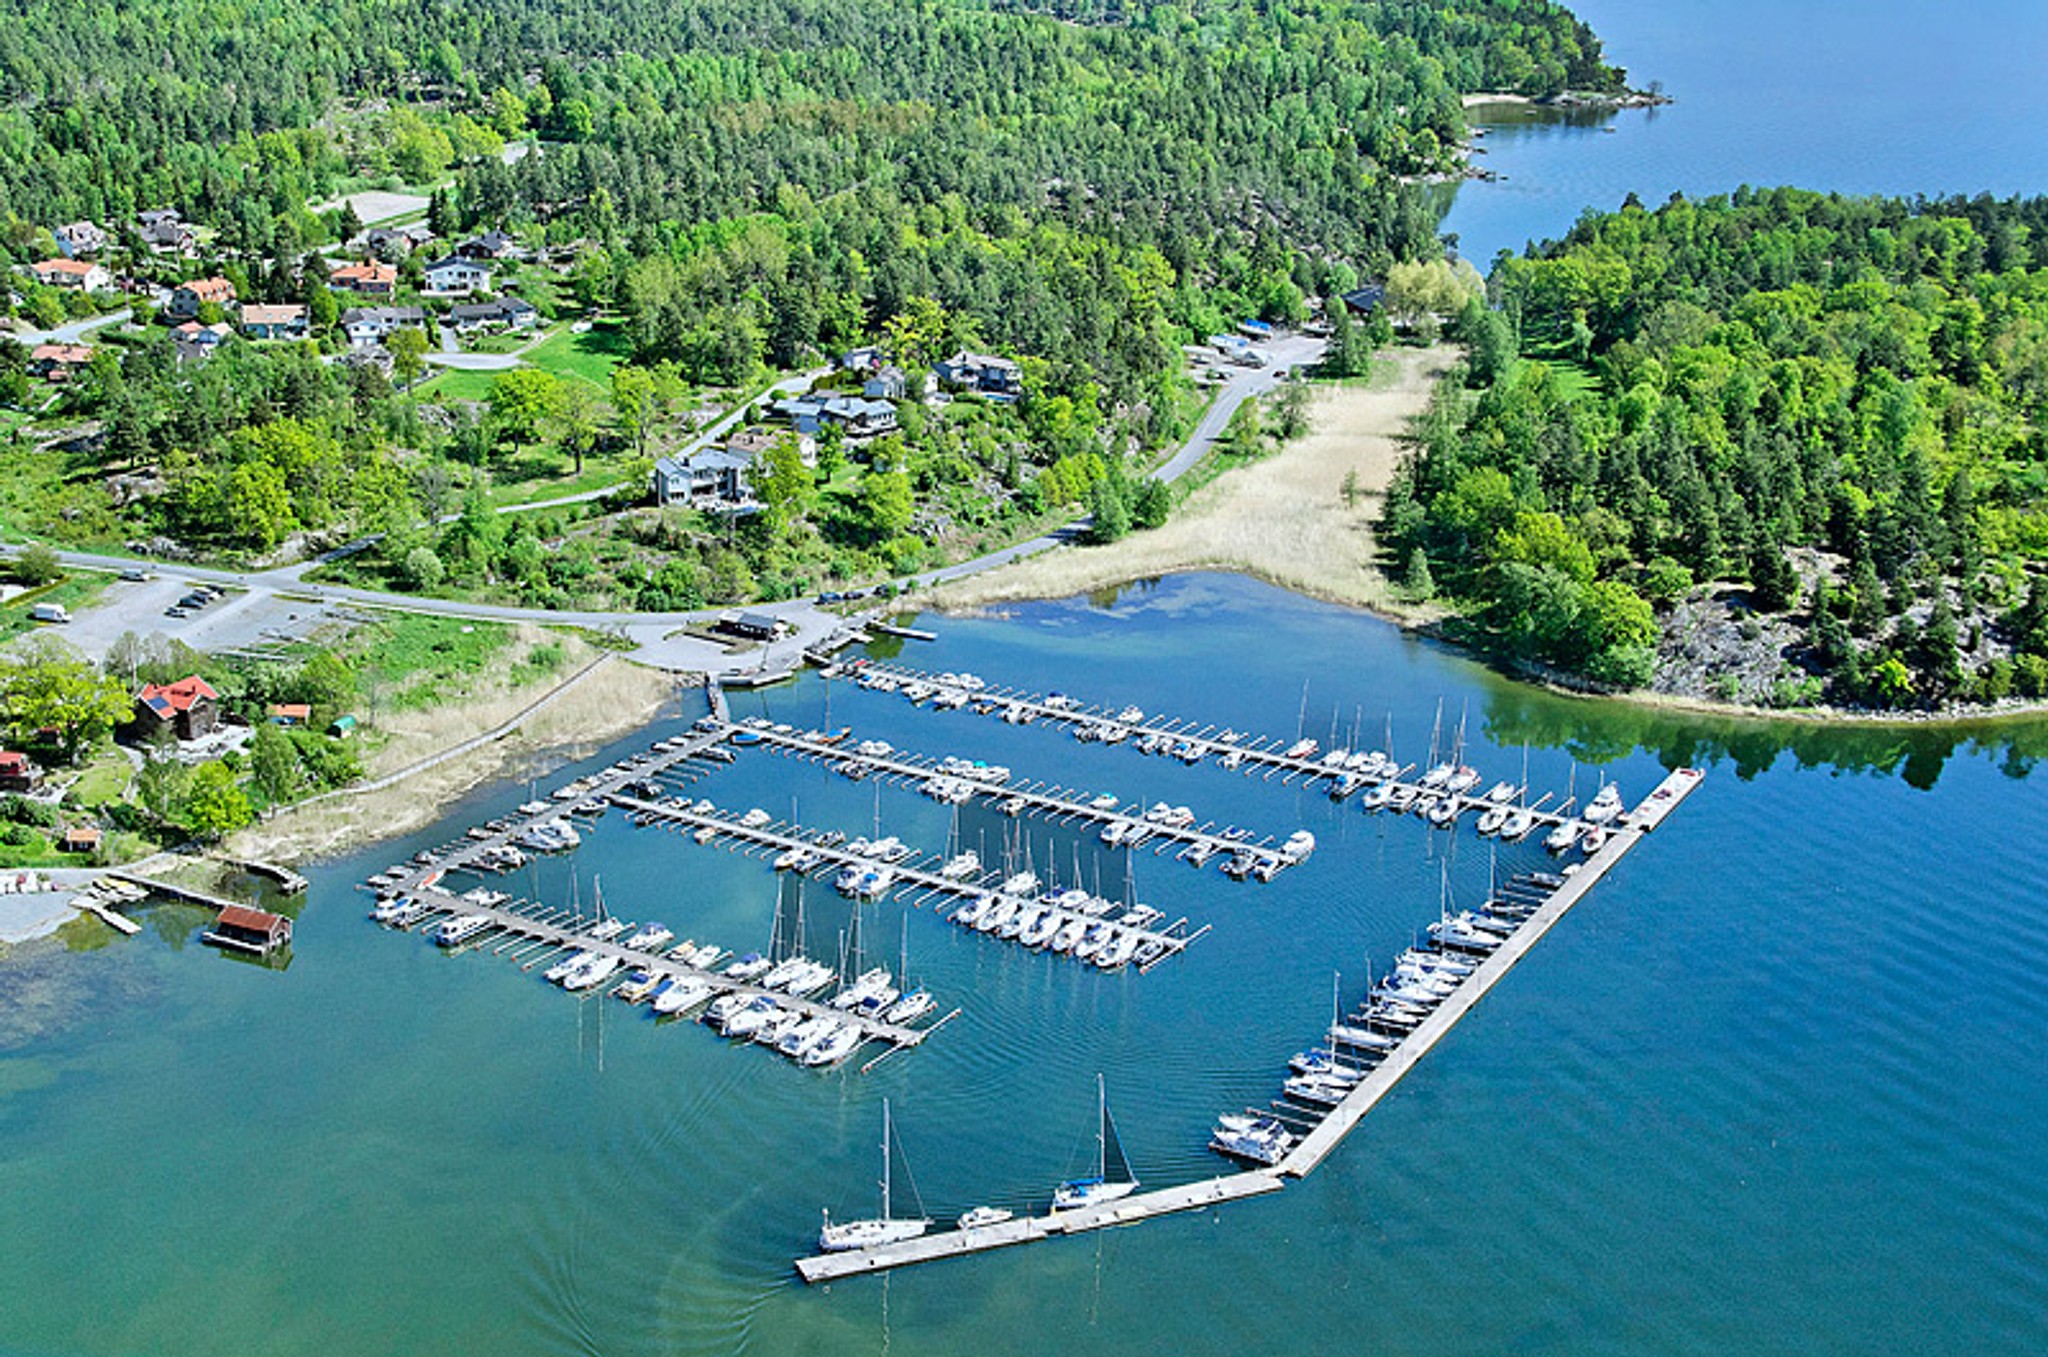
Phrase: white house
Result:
[456,276]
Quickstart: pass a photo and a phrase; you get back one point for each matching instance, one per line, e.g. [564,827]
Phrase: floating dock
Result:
[1253,754]
[914,885]
[1316,1144]
[1052,801]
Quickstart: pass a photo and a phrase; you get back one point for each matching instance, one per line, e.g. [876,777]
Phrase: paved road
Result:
[73,332]
[651,633]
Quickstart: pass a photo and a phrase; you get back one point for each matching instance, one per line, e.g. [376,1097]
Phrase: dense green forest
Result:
[1833,402]
[744,187]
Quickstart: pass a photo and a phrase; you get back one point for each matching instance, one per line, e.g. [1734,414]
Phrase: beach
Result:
[1283,519]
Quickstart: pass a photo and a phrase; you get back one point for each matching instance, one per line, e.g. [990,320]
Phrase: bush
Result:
[18,836]
[36,565]
[20,810]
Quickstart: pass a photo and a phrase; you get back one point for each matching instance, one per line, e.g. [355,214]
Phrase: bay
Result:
[1853,96]
[1765,1088]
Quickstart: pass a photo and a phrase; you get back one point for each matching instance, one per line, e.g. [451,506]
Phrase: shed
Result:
[289,713]
[80,839]
[341,727]
[242,929]
[754,626]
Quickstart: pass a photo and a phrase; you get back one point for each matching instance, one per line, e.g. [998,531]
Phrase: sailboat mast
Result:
[885,1159]
[1102,1125]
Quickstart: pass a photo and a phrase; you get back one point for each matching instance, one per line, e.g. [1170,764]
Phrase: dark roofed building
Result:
[242,929]
[189,709]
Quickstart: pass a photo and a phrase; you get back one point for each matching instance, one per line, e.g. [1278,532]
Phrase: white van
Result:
[51,612]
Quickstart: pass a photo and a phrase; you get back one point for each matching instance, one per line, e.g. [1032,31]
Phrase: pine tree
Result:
[1416,579]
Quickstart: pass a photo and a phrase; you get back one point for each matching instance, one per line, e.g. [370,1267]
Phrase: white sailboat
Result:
[886,1229]
[1079,1192]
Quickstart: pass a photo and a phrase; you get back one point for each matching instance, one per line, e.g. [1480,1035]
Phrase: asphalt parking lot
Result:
[241,620]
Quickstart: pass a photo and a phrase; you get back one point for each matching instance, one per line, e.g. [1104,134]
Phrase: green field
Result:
[588,357]
[407,659]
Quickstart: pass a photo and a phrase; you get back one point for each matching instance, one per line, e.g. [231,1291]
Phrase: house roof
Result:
[82,834]
[12,760]
[282,314]
[215,289]
[349,275]
[383,315]
[76,268]
[255,920]
[297,710]
[504,306]
[60,353]
[454,261]
[168,699]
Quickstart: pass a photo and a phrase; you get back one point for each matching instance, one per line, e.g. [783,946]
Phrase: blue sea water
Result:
[1770,1087]
[1774,1086]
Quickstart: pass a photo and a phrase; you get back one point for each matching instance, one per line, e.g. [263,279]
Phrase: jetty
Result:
[1065,805]
[1298,761]
[534,934]
[915,880]
[1323,1134]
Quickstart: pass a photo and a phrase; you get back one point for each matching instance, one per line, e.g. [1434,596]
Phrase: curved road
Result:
[650,632]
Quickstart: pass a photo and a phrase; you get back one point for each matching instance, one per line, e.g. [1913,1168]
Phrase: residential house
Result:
[884,383]
[1365,300]
[371,278]
[17,773]
[751,443]
[981,372]
[869,359]
[80,839]
[275,322]
[856,415]
[163,231]
[455,276]
[188,709]
[74,275]
[195,343]
[507,313]
[58,362]
[706,475]
[370,324]
[393,243]
[490,245]
[187,298]
[80,238]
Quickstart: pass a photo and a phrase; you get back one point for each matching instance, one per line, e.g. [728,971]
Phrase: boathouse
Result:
[241,929]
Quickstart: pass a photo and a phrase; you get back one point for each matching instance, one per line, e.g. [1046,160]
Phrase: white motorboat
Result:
[794,1041]
[746,1019]
[910,1007]
[981,1217]
[648,937]
[1561,839]
[592,973]
[749,967]
[460,929]
[776,1026]
[680,996]
[1298,846]
[1605,805]
[834,1046]
[560,970]
[886,1228]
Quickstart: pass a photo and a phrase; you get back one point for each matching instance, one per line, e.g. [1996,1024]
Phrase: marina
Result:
[1303,1131]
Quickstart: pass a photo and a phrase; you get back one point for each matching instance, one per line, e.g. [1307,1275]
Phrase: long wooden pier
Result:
[1262,754]
[1317,1143]
[909,880]
[1053,801]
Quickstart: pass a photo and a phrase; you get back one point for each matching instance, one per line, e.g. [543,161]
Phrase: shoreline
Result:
[412,788]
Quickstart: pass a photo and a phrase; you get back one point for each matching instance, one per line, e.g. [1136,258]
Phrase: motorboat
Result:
[834,1046]
[1446,810]
[748,1017]
[1561,839]
[387,911]
[981,1217]
[1013,928]
[556,973]
[680,996]
[460,929]
[592,973]
[1298,846]
[1261,1140]
[811,981]
[749,967]
[794,1041]
[1021,883]
[969,914]
[1091,941]
[1593,840]
[1119,950]
[1605,805]
[776,1026]
[1323,1090]
[648,937]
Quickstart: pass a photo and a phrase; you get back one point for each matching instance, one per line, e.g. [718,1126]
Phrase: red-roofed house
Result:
[188,709]
[372,279]
[17,774]
[55,362]
[249,930]
[187,298]
[78,274]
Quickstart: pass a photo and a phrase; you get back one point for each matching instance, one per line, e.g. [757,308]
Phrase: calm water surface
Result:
[1770,1087]
[1774,1086]
[1860,96]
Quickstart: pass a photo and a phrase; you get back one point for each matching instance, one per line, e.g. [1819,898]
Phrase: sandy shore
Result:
[1283,519]
[611,700]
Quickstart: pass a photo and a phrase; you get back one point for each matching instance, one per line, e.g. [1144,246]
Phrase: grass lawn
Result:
[409,658]
[587,357]
[540,474]
[1573,381]
[453,385]
[103,780]
[73,591]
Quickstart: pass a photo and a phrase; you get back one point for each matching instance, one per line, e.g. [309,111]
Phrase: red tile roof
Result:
[210,289]
[361,275]
[165,699]
[61,353]
[77,268]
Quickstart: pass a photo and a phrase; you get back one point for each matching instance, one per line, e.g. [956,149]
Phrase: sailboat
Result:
[867,1234]
[1081,1192]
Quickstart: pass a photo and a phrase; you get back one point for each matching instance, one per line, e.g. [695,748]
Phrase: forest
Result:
[1824,412]
[744,188]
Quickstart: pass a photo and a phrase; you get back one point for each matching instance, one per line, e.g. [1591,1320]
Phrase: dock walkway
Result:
[1263,754]
[1051,800]
[910,881]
